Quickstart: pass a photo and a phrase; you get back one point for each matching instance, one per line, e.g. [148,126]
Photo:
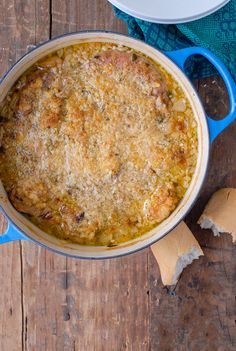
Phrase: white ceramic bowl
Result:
[169,11]
[21,228]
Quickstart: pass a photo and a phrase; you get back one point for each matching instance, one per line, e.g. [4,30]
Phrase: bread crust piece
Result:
[219,213]
[175,252]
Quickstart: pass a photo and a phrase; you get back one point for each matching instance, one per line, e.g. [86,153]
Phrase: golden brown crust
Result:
[93,149]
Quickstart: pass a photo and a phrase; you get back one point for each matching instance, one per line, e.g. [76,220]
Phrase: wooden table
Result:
[53,303]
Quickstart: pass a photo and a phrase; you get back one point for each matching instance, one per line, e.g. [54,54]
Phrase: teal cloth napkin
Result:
[216,32]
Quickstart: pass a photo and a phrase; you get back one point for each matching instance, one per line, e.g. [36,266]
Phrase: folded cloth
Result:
[216,32]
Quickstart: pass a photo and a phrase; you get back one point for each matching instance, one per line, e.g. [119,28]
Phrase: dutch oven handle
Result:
[180,57]
[11,233]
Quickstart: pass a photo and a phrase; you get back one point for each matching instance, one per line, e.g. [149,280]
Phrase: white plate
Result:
[169,11]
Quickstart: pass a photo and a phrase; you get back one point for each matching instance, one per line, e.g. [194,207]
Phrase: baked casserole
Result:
[98,144]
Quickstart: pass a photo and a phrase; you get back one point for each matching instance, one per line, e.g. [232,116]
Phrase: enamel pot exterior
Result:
[21,228]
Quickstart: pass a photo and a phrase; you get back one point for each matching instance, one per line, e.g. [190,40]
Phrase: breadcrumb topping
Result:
[98,144]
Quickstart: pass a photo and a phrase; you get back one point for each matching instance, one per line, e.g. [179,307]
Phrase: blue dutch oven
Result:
[20,228]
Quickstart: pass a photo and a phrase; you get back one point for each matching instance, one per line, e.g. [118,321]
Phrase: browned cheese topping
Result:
[98,144]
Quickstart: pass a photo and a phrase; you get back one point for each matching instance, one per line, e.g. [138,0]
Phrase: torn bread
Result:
[174,252]
[220,213]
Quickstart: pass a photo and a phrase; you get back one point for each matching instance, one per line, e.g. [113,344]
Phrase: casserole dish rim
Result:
[190,202]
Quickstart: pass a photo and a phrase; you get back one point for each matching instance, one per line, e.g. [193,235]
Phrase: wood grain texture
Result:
[10,298]
[72,15]
[82,305]
[21,28]
[17,32]
[52,303]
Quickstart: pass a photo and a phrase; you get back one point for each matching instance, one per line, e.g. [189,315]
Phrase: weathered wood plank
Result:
[23,23]
[69,16]
[10,298]
[109,304]
[10,259]
[42,20]
[200,313]
[43,295]
[85,305]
